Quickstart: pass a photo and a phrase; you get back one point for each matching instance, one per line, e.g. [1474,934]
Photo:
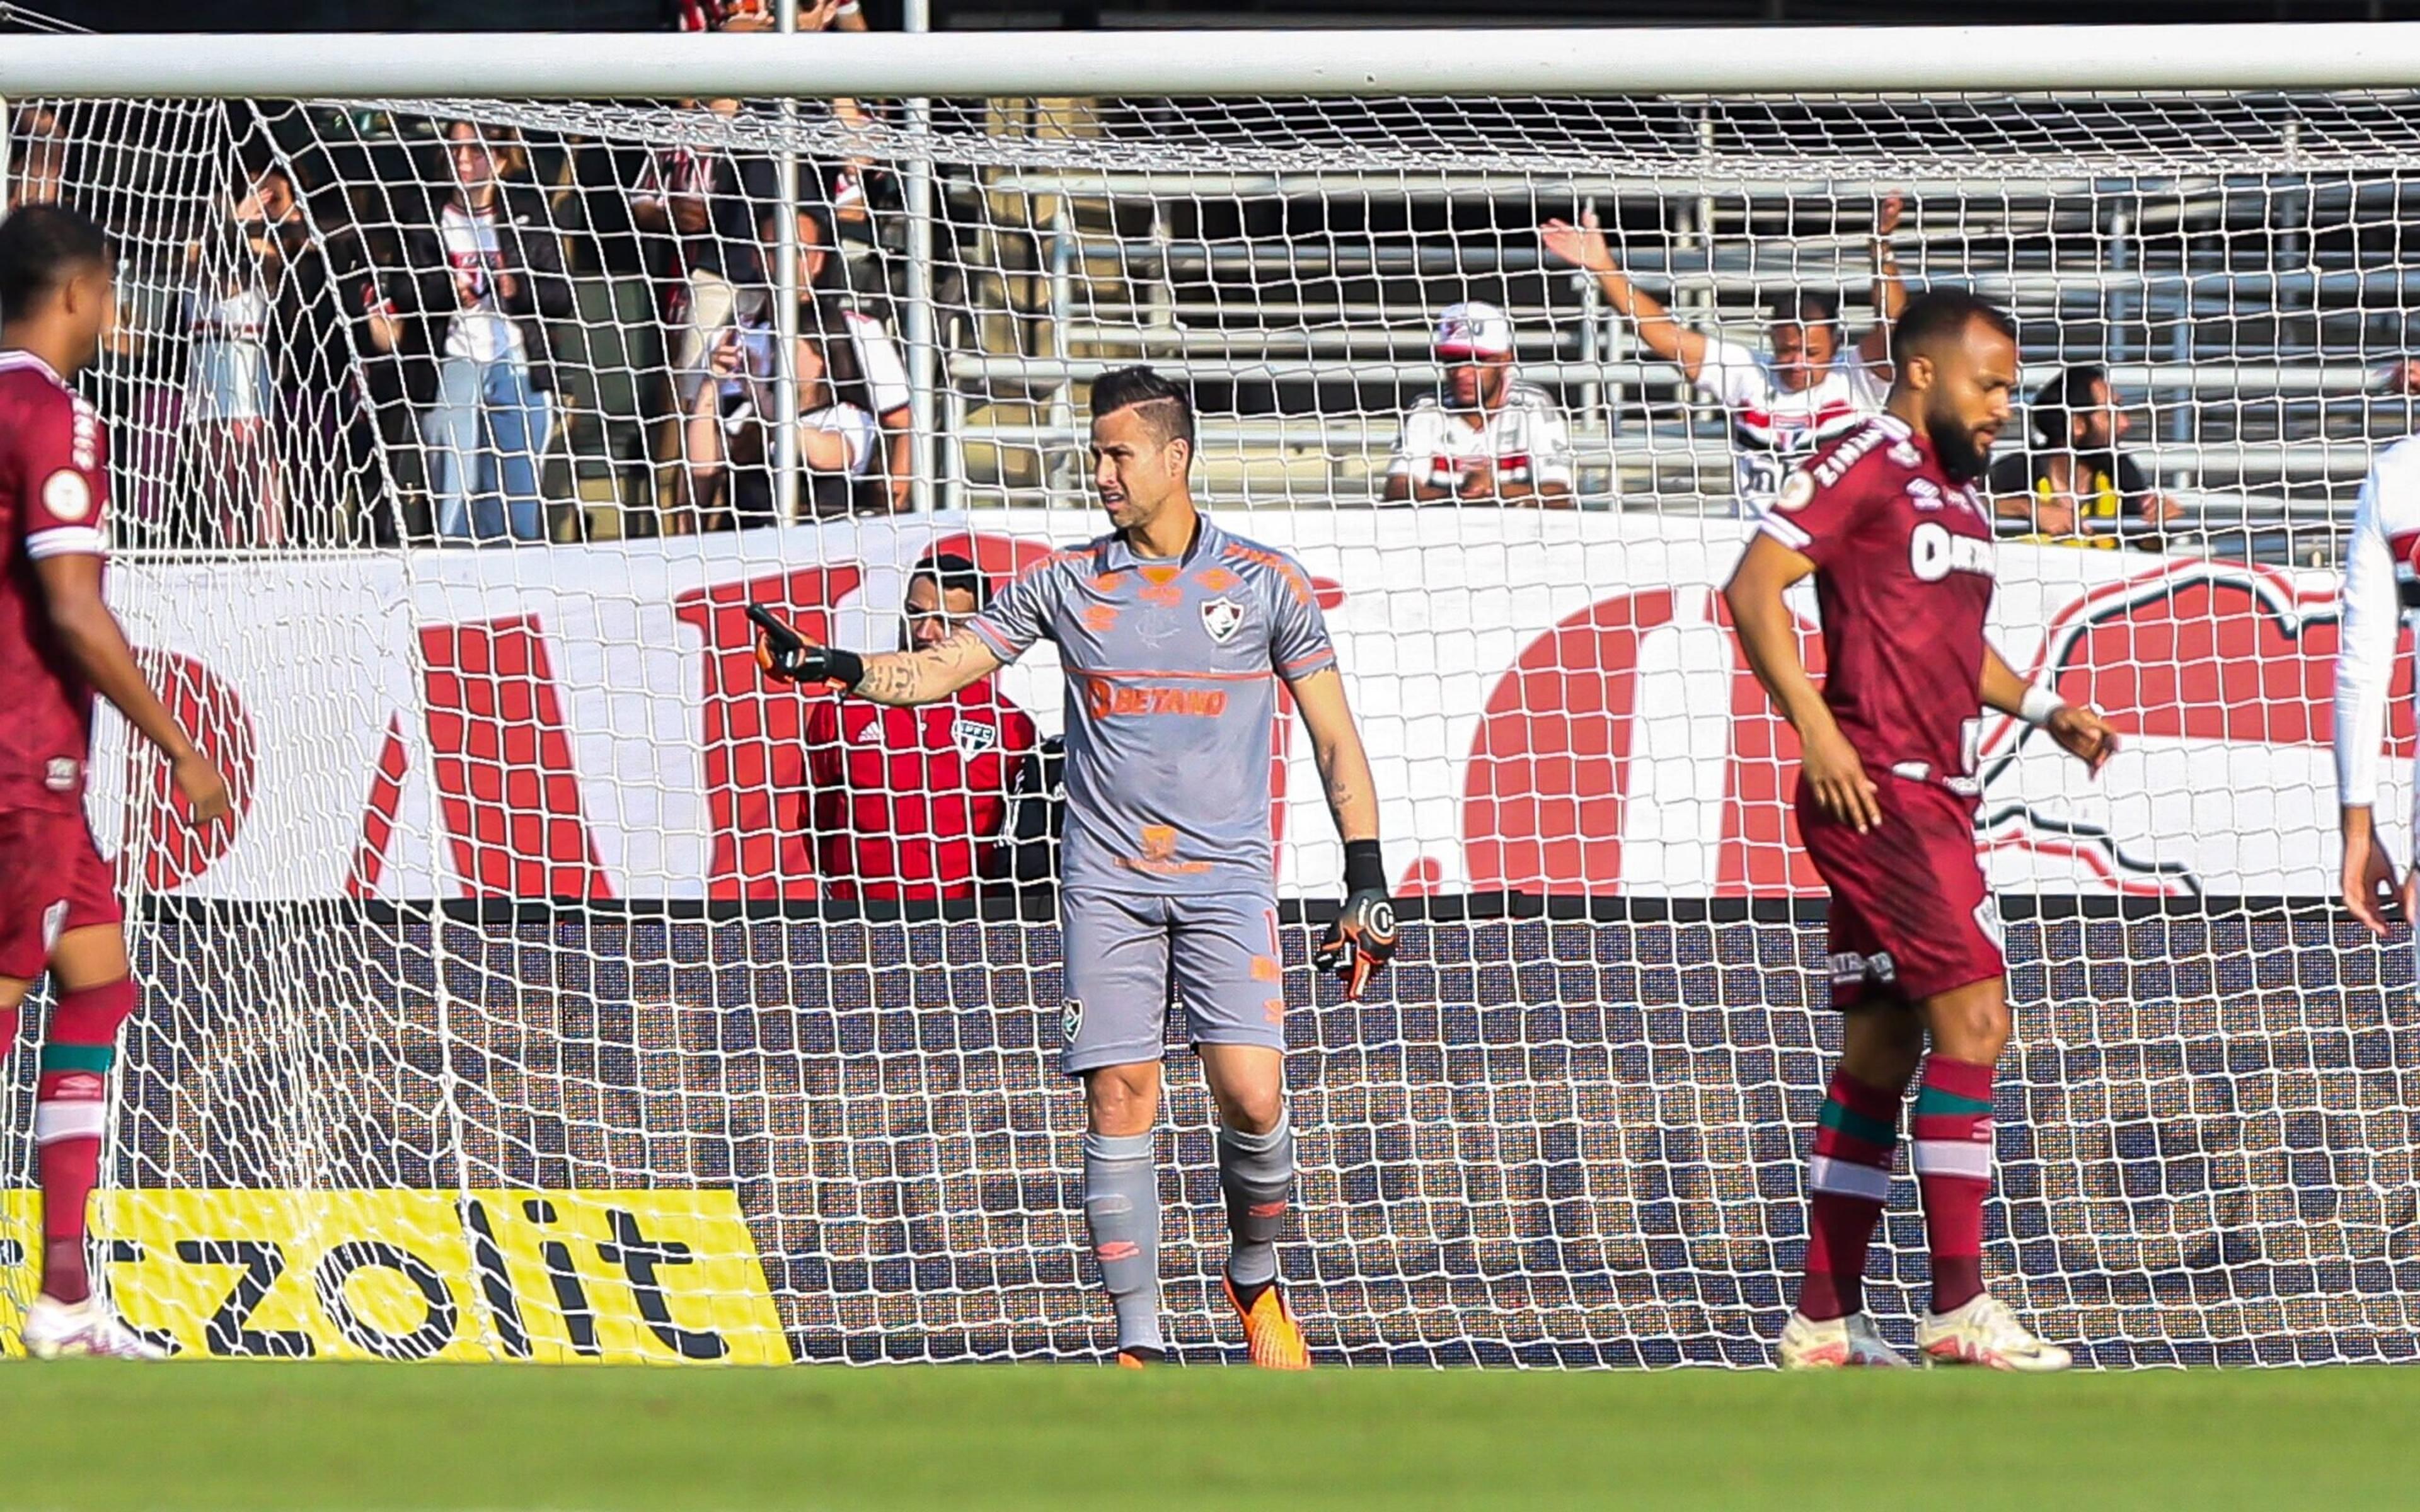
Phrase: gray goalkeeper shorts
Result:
[1123,953]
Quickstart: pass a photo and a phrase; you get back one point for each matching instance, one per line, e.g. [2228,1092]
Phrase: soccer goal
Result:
[567,991]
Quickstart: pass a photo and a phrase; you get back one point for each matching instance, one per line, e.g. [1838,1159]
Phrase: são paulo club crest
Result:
[1222,617]
[975,736]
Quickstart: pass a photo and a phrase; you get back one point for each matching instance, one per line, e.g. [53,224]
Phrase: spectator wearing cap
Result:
[1484,436]
[908,804]
[2072,486]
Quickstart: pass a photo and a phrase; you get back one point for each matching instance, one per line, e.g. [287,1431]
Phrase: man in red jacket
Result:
[908,803]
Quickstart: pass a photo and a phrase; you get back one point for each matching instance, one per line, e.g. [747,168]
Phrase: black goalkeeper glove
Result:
[1362,939]
[789,656]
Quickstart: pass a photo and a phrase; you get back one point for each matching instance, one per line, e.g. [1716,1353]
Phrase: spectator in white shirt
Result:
[231,476]
[1486,437]
[1782,402]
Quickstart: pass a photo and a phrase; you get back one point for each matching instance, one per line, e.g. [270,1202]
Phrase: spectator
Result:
[838,438]
[695,205]
[487,275]
[1780,403]
[908,803]
[870,338]
[37,166]
[233,485]
[331,323]
[843,183]
[1487,438]
[2072,486]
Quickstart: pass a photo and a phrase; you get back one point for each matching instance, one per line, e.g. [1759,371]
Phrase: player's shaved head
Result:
[1165,410]
[41,247]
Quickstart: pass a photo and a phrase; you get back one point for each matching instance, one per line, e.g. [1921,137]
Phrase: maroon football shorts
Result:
[51,880]
[1910,916]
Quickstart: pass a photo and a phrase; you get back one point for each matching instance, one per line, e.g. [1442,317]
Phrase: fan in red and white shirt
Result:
[1486,436]
[1783,403]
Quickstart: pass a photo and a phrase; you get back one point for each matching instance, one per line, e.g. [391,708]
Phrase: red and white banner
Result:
[1552,702]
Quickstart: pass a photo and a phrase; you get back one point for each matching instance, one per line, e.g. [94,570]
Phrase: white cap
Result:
[1473,329]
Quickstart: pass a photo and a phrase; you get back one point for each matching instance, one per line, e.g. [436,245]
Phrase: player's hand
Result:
[1360,941]
[2372,892]
[2083,734]
[787,656]
[205,787]
[1583,244]
[1841,787]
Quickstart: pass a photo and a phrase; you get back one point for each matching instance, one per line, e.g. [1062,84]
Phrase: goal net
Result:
[567,991]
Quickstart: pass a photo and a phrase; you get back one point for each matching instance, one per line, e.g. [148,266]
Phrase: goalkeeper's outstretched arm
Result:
[894,677]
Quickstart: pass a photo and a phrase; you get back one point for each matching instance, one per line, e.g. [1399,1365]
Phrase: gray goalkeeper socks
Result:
[1121,1210]
[1256,1172]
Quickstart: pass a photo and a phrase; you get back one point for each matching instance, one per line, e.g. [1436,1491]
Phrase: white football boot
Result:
[1985,1332]
[1850,1342]
[58,1329]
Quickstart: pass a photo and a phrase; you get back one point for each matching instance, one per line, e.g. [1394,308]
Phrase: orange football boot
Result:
[1269,1329]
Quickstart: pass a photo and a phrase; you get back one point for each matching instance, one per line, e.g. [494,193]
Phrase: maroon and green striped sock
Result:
[1953,1169]
[1850,1177]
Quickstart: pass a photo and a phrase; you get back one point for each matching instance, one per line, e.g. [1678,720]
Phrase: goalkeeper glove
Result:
[1362,939]
[789,656]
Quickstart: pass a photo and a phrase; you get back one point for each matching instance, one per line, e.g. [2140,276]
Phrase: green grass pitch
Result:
[1066,1437]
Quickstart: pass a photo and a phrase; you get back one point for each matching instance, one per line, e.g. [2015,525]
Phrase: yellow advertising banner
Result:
[668,1277]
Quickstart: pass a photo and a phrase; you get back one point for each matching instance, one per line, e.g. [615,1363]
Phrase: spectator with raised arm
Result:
[696,206]
[1783,401]
[2072,486]
[873,346]
[487,275]
[1484,436]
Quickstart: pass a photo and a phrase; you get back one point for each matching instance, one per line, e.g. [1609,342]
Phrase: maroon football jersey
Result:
[1904,567]
[909,803]
[53,488]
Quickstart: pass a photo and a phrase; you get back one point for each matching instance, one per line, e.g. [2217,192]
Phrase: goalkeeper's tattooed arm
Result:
[1336,745]
[894,677]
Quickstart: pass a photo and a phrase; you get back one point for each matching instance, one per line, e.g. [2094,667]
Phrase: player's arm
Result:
[1585,245]
[2372,613]
[89,634]
[1768,635]
[900,678]
[1362,939]
[2078,728]
[1890,291]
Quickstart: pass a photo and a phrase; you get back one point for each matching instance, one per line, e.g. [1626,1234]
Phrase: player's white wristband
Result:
[2039,705]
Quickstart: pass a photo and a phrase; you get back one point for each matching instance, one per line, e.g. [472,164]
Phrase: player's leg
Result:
[1113,1031]
[1954,1139]
[1225,956]
[1856,1136]
[93,991]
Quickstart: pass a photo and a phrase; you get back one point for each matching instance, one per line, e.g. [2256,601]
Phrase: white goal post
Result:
[559,997]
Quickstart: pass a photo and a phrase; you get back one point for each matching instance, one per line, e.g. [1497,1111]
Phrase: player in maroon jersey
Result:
[907,802]
[1889,519]
[60,645]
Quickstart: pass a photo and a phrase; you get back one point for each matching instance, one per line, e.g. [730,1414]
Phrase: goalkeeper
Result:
[1174,636]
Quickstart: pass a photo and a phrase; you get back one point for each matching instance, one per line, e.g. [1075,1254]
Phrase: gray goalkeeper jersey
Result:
[1172,698]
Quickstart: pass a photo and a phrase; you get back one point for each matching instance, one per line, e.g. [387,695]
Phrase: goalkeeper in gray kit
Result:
[1174,636]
